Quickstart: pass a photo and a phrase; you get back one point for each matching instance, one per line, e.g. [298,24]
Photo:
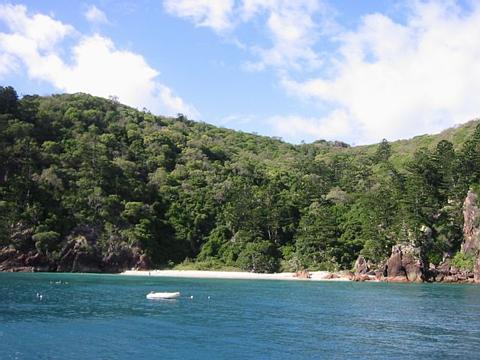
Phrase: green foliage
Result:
[290,261]
[211,264]
[464,261]
[8,100]
[216,240]
[134,211]
[384,151]
[186,190]
[46,241]
[317,236]
[258,257]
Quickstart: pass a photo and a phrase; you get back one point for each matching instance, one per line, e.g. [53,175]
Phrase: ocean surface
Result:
[83,316]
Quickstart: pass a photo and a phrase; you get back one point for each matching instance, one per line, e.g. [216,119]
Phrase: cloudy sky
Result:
[350,70]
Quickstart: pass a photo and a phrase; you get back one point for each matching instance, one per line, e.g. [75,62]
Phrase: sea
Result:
[82,316]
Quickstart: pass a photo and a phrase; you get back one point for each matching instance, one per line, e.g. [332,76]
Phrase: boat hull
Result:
[163,295]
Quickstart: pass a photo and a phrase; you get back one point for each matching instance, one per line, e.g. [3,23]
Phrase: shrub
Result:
[46,241]
[258,257]
[464,261]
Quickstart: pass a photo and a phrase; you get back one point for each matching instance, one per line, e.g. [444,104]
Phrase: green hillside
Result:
[84,174]
[403,150]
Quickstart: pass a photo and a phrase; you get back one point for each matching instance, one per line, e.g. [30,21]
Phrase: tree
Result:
[8,100]
[179,189]
[258,256]
[384,151]
[317,236]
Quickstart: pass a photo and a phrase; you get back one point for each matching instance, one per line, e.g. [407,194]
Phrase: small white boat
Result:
[162,295]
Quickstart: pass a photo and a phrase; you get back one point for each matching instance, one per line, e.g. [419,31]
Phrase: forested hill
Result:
[90,184]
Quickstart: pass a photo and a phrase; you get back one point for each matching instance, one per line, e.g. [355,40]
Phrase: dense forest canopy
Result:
[183,190]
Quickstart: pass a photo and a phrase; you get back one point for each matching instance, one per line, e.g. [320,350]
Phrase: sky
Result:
[303,70]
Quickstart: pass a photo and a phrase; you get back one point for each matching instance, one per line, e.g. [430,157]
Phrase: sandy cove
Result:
[238,275]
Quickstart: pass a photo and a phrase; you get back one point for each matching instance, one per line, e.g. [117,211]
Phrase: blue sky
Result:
[350,70]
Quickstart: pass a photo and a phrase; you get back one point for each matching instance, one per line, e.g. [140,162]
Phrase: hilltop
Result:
[89,184]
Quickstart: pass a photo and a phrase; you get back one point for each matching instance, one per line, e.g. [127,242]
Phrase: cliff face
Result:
[471,225]
[79,252]
[471,230]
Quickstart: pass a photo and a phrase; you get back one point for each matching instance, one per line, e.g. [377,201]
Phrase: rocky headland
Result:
[407,262]
[80,252]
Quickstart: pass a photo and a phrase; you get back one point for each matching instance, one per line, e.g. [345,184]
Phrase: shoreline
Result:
[237,275]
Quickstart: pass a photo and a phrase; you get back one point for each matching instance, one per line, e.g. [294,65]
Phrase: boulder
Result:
[345,274]
[446,272]
[143,262]
[362,277]
[413,267]
[394,264]
[361,266]
[380,274]
[331,276]
[302,274]
[404,264]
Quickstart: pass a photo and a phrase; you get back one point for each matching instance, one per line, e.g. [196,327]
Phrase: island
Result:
[90,185]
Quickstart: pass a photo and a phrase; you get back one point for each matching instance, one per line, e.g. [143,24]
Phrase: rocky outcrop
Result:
[12,259]
[361,266]
[363,270]
[446,272]
[471,231]
[21,237]
[476,271]
[471,224]
[302,274]
[78,255]
[404,264]
[79,252]
[121,256]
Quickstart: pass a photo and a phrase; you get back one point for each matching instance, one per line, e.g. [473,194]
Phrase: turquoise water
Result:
[108,317]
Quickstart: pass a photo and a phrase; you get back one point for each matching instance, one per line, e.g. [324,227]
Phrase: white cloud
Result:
[95,15]
[294,127]
[173,102]
[210,13]
[387,78]
[289,26]
[96,67]
[42,30]
[292,30]
[7,64]
[397,80]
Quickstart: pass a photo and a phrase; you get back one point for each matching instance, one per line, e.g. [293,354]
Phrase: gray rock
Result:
[361,266]
[471,228]
[405,264]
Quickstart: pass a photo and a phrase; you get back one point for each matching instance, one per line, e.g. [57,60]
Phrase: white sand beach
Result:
[238,275]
